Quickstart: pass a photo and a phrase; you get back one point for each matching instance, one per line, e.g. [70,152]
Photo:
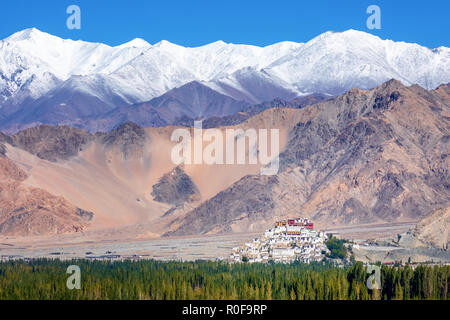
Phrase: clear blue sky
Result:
[197,22]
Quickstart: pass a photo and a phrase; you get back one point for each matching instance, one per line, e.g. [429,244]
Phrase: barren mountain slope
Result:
[363,157]
[25,210]
[366,156]
[434,229]
[114,174]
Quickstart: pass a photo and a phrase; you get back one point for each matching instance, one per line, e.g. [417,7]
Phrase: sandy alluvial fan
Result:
[378,155]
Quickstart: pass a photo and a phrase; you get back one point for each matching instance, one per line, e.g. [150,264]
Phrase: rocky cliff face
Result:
[365,156]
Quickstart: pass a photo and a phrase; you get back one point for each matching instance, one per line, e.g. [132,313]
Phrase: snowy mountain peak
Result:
[218,43]
[136,43]
[334,62]
[345,34]
[34,63]
[348,38]
[31,34]
[215,45]
[26,34]
[165,43]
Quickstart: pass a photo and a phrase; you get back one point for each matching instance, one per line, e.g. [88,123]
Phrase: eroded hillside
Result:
[26,210]
[367,156]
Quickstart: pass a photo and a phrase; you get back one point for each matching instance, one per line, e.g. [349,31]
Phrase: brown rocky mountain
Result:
[367,156]
[25,210]
[49,142]
[125,176]
[128,137]
[176,188]
[379,155]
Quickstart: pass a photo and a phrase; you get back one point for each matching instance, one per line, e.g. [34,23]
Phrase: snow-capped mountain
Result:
[165,65]
[254,86]
[76,79]
[335,62]
[34,59]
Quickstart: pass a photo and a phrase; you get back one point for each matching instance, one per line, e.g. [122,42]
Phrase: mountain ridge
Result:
[363,157]
[62,77]
[368,156]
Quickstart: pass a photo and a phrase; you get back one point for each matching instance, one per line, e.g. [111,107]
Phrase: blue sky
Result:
[197,22]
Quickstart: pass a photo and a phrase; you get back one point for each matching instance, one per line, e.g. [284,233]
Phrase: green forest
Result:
[149,279]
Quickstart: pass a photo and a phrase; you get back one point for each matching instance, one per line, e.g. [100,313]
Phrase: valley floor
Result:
[118,244]
[180,248]
[371,231]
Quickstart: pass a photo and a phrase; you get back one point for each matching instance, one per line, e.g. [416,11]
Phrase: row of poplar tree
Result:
[149,279]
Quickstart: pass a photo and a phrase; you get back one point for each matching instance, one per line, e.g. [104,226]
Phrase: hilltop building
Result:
[286,241]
